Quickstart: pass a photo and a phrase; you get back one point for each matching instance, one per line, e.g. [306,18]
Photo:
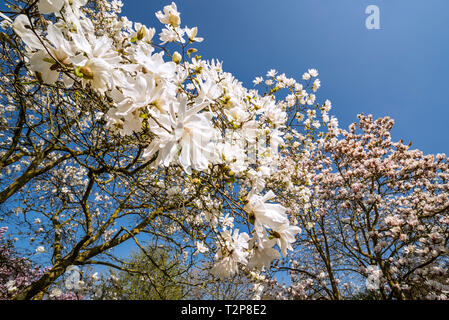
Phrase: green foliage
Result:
[152,275]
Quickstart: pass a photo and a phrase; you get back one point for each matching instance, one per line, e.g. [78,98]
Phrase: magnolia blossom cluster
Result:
[187,111]
[271,227]
[376,206]
[15,272]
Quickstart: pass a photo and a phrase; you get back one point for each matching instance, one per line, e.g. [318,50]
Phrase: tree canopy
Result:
[115,135]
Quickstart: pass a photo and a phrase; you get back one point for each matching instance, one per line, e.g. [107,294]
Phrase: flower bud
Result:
[141,33]
[176,57]
[87,73]
[190,51]
[252,218]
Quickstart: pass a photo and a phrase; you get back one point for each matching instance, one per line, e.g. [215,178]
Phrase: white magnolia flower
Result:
[265,214]
[172,35]
[154,63]
[258,80]
[56,292]
[310,225]
[271,73]
[186,130]
[170,15]
[145,93]
[237,114]
[77,3]
[257,179]
[273,112]
[233,155]
[50,6]
[41,62]
[263,255]
[233,250]
[40,249]
[286,235]
[209,89]
[316,85]
[21,27]
[201,247]
[176,57]
[5,17]
[333,122]
[227,221]
[191,33]
[313,72]
[258,291]
[6,22]
[134,98]
[11,286]
[327,106]
[61,52]
[143,33]
[73,13]
[311,99]
[97,61]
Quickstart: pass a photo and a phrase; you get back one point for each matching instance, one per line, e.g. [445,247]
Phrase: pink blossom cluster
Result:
[15,272]
[377,205]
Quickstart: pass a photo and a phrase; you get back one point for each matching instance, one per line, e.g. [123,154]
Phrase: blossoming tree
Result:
[376,220]
[112,132]
[15,272]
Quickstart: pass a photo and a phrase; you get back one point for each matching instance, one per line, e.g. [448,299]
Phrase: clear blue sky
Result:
[401,70]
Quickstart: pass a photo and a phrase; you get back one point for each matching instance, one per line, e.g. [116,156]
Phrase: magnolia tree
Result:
[112,132]
[375,221]
[16,272]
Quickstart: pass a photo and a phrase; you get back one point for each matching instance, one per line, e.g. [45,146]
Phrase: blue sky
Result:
[400,70]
